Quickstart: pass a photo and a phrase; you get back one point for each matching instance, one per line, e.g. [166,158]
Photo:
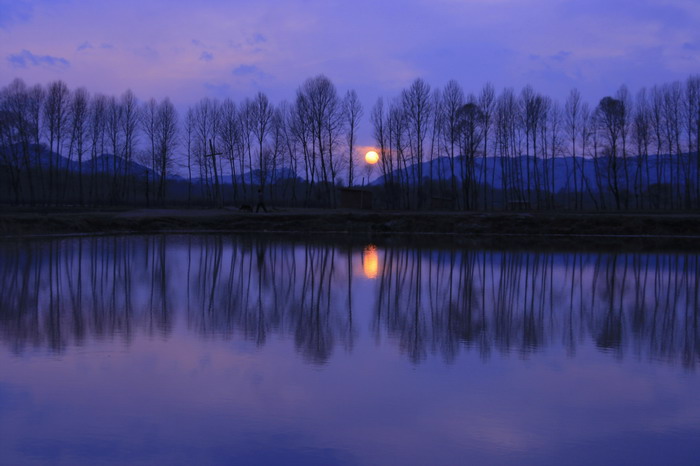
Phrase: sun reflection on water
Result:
[370,261]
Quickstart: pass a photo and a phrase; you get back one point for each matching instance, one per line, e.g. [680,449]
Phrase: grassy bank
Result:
[681,230]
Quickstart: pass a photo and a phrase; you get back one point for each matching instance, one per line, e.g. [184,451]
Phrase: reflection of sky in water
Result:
[184,364]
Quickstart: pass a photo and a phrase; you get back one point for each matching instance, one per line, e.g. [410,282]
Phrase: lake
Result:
[215,349]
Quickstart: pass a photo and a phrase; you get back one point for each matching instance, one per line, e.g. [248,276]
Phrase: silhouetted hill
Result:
[595,174]
[253,177]
[40,157]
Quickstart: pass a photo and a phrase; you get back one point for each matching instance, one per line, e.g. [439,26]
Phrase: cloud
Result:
[251,43]
[560,56]
[257,38]
[220,90]
[106,46]
[206,56]
[14,11]
[200,44]
[250,74]
[148,53]
[246,70]
[26,58]
[84,46]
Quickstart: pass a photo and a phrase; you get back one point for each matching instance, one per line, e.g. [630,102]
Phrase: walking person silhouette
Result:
[261,201]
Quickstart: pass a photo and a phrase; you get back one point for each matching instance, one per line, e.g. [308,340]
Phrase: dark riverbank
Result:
[625,230]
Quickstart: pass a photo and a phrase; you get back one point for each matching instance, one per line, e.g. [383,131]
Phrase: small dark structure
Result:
[354,198]
[441,203]
[518,205]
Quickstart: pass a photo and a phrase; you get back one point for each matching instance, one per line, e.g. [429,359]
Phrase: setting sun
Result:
[371,157]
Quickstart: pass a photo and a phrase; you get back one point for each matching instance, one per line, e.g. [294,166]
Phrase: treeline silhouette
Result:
[439,148]
[432,303]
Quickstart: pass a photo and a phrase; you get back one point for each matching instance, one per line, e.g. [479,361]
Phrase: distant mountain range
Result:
[270,176]
[110,164]
[662,169]
[41,157]
[559,171]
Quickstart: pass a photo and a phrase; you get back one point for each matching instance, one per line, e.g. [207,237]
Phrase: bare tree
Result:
[610,118]
[149,123]
[189,133]
[291,147]
[657,121]
[487,101]
[623,96]
[572,126]
[230,137]
[167,142]
[320,110]
[642,134]
[696,83]
[554,143]
[97,131]
[532,115]
[20,109]
[692,121]
[206,119]
[417,109]
[56,115]
[78,121]
[470,121]
[452,103]
[261,115]
[352,113]
[115,116]
[13,134]
[397,123]
[129,105]
[436,128]
[381,133]
[508,141]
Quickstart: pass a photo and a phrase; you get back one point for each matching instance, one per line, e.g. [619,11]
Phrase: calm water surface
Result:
[244,350]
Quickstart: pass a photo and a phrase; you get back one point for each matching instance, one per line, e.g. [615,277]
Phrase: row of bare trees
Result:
[438,147]
[526,150]
[53,143]
[61,146]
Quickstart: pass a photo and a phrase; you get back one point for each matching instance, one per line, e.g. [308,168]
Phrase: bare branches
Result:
[439,148]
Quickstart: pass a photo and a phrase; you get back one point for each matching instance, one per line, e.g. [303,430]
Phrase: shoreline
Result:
[625,231]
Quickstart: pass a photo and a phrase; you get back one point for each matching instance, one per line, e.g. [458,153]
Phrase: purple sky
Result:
[219,48]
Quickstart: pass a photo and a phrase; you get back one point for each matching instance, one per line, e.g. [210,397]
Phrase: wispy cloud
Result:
[560,56]
[250,75]
[257,38]
[218,89]
[375,47]
[200,44]
[25,59]
[147,52]
[246,70]
[12,11]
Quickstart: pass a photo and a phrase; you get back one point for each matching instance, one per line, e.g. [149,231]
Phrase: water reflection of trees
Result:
[256,287]
[58,293]
[438,302]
